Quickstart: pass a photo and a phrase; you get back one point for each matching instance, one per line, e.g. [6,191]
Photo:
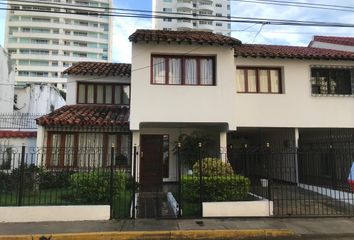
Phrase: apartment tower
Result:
[197,14]
[48,36]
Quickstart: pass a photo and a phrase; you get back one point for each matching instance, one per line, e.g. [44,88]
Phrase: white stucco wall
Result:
[7,81]
[296,107]
[184,104]
[71,95]
[332,46]
[38,98]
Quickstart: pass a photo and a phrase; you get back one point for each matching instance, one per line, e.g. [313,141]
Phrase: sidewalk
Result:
[291,228]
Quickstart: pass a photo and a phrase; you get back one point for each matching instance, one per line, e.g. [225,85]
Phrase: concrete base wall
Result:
[262,208]
[54,213]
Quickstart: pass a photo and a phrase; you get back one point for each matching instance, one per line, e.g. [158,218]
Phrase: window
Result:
[167,9]
[332,80]
[87,149]
[258,80]
[106,93]
[179,70]
[218,5]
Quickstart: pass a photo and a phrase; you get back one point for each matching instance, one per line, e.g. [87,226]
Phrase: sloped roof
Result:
[17,134]
[99,68]
[87,115]
[348,41]
[200,37]
[278,51]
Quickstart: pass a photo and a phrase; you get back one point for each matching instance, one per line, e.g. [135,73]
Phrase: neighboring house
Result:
[333,42]
[96,118]
[43,39]
[192,11]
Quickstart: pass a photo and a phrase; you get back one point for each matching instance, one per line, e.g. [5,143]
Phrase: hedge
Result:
[216,188]
[94,187]
[213,167]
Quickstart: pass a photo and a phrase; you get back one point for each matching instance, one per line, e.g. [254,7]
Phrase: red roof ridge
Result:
[339,40]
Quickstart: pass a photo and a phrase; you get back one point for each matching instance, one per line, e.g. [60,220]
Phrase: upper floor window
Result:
[180,70]
[258,80]
[332,80]
[103,93]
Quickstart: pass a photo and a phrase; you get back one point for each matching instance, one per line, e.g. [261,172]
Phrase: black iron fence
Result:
[18,120]
[293,182]
[29,177]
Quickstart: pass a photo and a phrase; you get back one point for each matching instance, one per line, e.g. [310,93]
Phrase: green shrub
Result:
[94,187]
[216,188]
[54,179]
[213,167]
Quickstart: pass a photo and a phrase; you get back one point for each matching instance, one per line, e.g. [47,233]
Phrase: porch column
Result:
[223,146]
[40,144]
[296,134]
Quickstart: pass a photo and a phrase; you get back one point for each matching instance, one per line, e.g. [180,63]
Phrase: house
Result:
[333,42]
[195,81]
[96,117]
[278,112]
[181,83]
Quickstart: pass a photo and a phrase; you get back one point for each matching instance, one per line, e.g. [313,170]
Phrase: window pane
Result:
[275,81]
[191,71]
[126,94]
[206,71]
[108,94]
[159,70]
[81,93]
[117,94]
[263,80]
[69,150]
[175,71]
[241,80]
[252,81]
[90,93]
[90,149]
[100,94]
[55,150]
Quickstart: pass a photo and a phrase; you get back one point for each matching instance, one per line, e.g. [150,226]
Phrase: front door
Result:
[151,168]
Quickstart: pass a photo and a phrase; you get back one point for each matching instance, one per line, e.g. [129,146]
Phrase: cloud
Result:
[288,35]
[123,28]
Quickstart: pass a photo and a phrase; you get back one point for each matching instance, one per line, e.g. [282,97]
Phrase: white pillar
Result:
[223,145]
[136,143]
[296,134]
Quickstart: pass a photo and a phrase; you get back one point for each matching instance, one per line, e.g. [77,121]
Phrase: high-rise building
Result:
[47,36]
[196,12]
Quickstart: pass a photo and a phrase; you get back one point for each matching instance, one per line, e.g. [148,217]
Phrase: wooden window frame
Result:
[106,149]
[183,58]
[113,85]
[257,69]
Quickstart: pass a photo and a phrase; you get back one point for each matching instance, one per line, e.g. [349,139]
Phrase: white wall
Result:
[71,95]
[296,107]
[184,104]
[332,46]
[38,98]
[7,81]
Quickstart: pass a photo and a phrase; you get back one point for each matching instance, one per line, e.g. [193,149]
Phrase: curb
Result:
[194,234]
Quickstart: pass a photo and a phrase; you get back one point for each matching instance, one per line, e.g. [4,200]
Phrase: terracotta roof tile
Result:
[98,68]
[200,37]
[87,115]
[277,51]
[17,134]
[348,41]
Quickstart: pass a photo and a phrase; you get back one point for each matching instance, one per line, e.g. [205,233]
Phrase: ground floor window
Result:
[67,149]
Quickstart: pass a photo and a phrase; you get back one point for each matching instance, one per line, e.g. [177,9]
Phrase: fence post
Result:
[200,178]
[111,181]
[134,182]
[179,180]
[21,176]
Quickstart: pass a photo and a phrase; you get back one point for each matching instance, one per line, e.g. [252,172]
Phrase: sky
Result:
[247,33]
